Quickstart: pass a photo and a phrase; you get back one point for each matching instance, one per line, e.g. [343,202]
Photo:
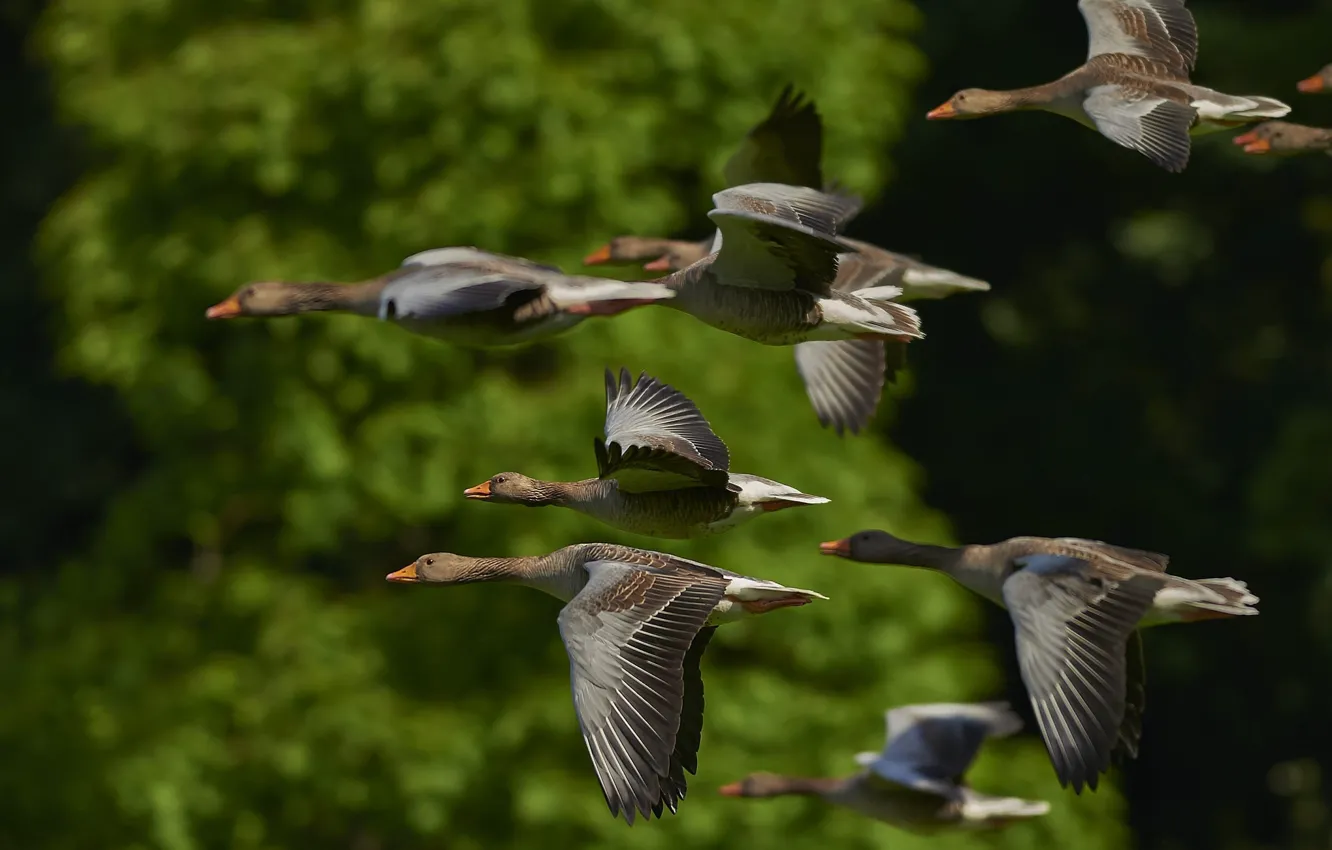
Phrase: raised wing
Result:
[628,633]
[1073,629]
[1153,126]
[476,260]
[779,237]
[1161,30]
[656,438]
[786,147]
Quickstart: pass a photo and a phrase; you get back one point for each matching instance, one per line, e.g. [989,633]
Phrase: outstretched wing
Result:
[1160,30]
[786,147]
[1073,628]
[656,438]
[628,633]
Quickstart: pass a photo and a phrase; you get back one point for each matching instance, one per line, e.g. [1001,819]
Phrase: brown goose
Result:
[661,471]
[771,281]
[635,626]
[1076,605]
[916,783]
[1134,87]
[787,147]
[1318,83]
[464,295]
[1282,137]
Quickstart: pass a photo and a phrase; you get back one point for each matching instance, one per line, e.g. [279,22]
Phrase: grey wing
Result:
[690,735]
[1073,629]
[862,270]
[1162,30]
[438,292]
[628,633]
[786,147]
[930,747]
[1153,126]
[656,438]
[779,237]
[1116,556]
[843,379]
[1130,730]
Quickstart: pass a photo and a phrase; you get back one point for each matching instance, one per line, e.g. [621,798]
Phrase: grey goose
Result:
[1076,606]
[635,625]
[917,782]
[661,471]
[462,295]
[1134,88]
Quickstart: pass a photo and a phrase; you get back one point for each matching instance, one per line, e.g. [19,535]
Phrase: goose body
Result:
[635,625]
[1134,88]
[663,471]
[1076,606]
[915,783]
[463,295]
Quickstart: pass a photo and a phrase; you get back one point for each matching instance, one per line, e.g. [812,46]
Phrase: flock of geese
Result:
[777,271]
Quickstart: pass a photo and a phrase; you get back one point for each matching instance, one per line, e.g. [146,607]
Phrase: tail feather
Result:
[905,321]
[996,811]
[1235,599]
[1264,107]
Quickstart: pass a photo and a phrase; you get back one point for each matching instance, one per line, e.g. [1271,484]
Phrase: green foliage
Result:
[222,664]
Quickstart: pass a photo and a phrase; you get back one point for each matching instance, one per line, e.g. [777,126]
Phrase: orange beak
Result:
[228,309]
[661,264]
[944,111]
[597,257]
[407,574]
[480,491]
[1312,85]
[836,547]
[731,790]
[1253,144]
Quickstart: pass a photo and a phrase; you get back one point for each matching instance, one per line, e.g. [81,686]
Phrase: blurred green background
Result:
[197,647]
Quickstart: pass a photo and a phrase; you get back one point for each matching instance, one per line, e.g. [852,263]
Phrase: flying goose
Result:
[1283,137]
[635,626]
[1134,87]
[661,471]
[1076,605]
[916,783]
[787,147]
[463,295]
[771,281]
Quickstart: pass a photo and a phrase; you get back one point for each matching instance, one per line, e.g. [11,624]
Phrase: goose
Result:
[635,625]
[1317,84]
[1076,606]
[1283,137]
[787,147]
[772,282]
[463,295]
[916,783]
[1134,87]
[661,471]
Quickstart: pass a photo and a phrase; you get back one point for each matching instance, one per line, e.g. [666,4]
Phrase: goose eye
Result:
[430,562]
[498,479]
